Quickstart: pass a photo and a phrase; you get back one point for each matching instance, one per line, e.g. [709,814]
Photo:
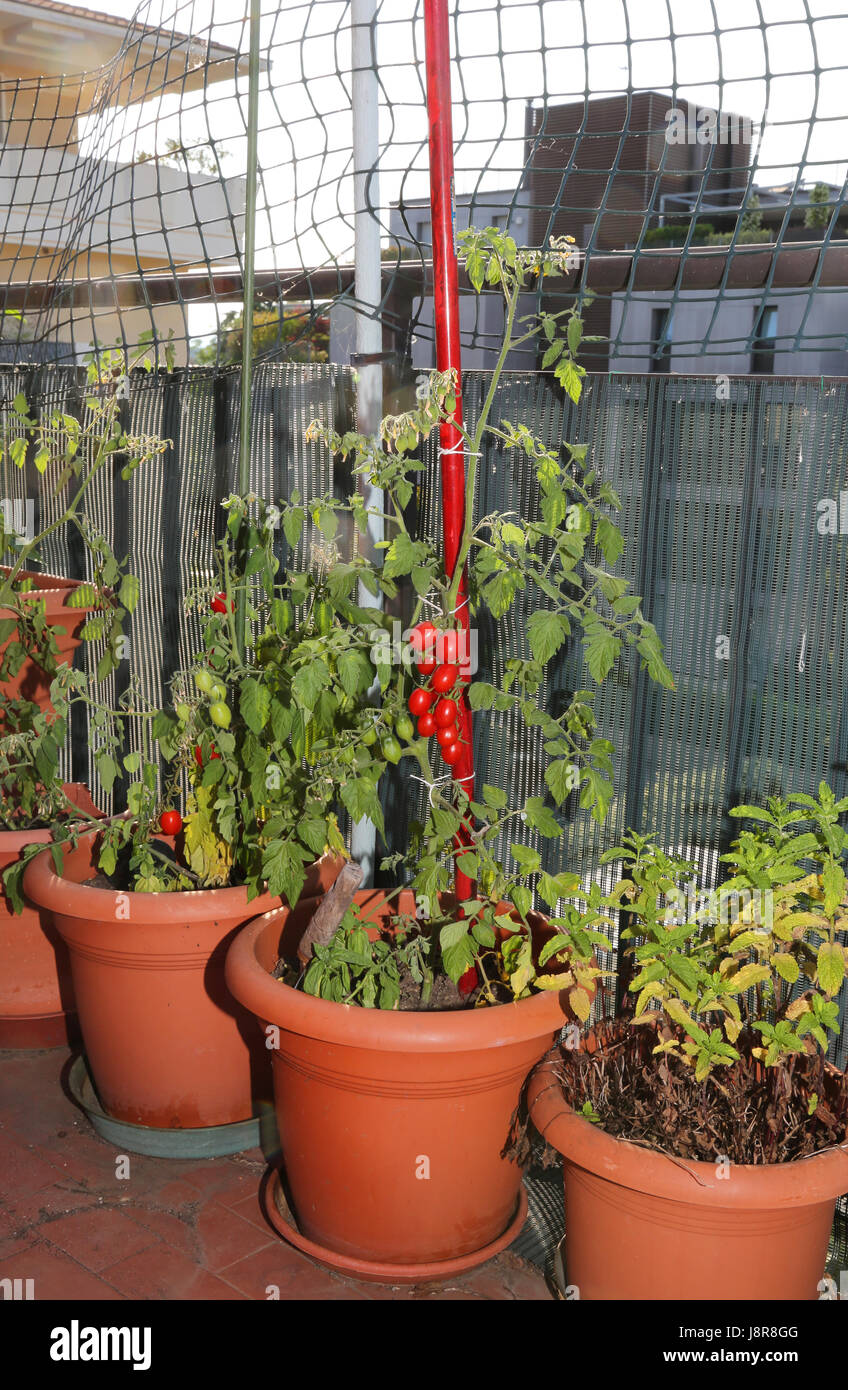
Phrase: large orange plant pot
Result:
[36,993]
[167,1045]
[31,682]
[392,1124]
[642,1225]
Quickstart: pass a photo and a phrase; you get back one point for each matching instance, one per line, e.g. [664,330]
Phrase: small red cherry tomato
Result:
[171,822]
[219,603]
[446,734]
[445,678]
[423,643]
[445,712]
[426,725]
[449,646]
[467,983]
[452,754]
[198,754]
[423,639]
[420,701]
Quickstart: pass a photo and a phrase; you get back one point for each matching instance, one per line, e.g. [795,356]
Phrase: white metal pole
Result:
[368,289]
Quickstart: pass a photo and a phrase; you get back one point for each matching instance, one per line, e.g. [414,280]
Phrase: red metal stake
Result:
[446,297]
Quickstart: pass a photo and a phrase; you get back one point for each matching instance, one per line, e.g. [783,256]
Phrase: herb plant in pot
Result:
[265,741]
[705,1126]
[401,1039]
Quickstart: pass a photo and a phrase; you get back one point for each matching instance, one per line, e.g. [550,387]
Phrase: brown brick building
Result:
[606,168]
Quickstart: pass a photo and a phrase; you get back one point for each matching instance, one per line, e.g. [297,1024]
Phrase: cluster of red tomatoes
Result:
[435,711]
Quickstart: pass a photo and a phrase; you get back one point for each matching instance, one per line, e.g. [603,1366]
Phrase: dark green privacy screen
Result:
[735,512]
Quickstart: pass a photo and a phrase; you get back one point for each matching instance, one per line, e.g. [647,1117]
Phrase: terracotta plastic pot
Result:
[31,682]
[642,1225]
[392,1124]
[36,994]
[166,1043]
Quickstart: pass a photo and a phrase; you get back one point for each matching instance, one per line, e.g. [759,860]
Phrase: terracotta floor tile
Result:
[14,1236]
[224,1237]
[225,1181]
[163,1273]
[251,1210]
[62,1197]
[176,1231]
[98,1238]
[55,1275]
[280,1266]
[23,1167]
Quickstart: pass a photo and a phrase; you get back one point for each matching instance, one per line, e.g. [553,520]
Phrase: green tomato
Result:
[404,728]
[324,617]
[183,713]
[218,692]
[369,737]
[204,680]
[391,749]
[220,714]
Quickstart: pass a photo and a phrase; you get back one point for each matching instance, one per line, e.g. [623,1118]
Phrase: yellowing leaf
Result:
[830,970]
[786,966]
[746,977]
[580,1002]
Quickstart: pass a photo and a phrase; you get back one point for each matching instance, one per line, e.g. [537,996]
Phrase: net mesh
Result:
[693,148]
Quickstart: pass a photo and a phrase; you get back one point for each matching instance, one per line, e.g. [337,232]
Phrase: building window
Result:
[661,334]
[765,337]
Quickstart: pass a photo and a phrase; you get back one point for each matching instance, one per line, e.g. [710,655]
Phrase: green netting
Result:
[695,149]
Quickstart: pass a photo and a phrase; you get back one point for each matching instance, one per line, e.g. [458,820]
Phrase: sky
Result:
[783,63]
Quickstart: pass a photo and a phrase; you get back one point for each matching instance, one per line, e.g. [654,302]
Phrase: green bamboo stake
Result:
[248,284]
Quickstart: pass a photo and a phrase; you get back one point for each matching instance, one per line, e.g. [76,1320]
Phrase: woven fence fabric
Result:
[735,516]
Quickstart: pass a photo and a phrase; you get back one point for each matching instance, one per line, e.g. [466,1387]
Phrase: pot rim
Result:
[13,841]
[56,584]
[63,897]
[349,1025]
[802,1182]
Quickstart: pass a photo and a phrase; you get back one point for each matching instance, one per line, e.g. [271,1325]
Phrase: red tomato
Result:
[198,754]
[423,643]
[420,701]
[467,983]
[449,646]
[219,603]
[447,734]
[171,822]
[445,713]
[423,637]
[452,754]
[445,678]
[426,725]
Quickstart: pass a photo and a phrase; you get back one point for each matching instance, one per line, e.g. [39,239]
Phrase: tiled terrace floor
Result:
[172,1229]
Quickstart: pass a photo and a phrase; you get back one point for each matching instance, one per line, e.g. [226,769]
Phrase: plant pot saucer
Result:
[36,1032]
[213,1141]
[376,1271]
